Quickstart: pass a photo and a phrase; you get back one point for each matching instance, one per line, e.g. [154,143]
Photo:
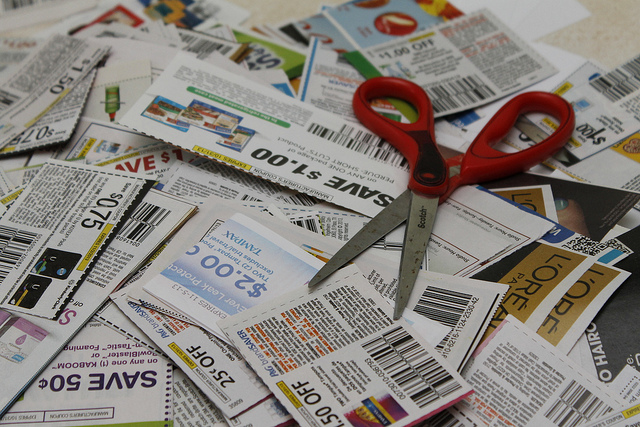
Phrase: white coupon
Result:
[204,178]
[462,63]
[239,265]
[95,140]
[214,366]
[599,122]
[221,116]
[329,83]
[57,125]
[333,356]
[56,229]
[98,378]
[521,380]
[44,78]
[154,160]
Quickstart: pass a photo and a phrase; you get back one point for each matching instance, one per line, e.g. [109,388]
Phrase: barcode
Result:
[142,222]
[459,93]
[443,305]
[16,4]
[7,99]
[576,405]
[411,366]
[361,142]
[443,419]
[620,82]
[248,198]
[14,243]
[300,200]
[308,224]
[201,47]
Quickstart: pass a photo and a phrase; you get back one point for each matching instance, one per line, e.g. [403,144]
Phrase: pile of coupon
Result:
[171,180]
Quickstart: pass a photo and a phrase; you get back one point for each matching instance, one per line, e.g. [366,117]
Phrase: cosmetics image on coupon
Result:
[18,338]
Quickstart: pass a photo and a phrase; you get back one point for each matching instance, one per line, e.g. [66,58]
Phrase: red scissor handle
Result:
[416,141]
[482,162]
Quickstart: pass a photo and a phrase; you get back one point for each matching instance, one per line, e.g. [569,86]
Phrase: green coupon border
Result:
[239,107]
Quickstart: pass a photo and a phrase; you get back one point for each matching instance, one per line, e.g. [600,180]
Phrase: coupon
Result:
[199,393]
[45,78]
[57,125]
[22,357]
[95,140]
[538,276]
[600,122]
[211,178]
[371,23]
[99,377]
[329,83]
[56,229]
[573,313]
[461,64]
[238,265]
[519,379]
[334,356]
[198,107]
[154,160]
[214,366]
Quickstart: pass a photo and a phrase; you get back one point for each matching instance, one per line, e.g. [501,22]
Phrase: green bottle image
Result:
[112,101]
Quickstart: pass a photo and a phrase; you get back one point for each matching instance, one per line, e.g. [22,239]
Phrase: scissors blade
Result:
[380,225]
[422,214]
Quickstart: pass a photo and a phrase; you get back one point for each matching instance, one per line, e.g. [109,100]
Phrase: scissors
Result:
[432,179]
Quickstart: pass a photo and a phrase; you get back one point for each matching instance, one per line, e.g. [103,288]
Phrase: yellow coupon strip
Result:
[53,104]
[221,157]
[118,159]
[94,248]
[85,150]
[182,355]
[563,88]
[10,197]
[628,413]
[287,392]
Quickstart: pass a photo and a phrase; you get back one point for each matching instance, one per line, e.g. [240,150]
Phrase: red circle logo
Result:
[395,24]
